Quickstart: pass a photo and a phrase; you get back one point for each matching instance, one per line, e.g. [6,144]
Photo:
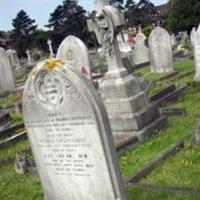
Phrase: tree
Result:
[68,19]
[183,15]
[130,12]
[23,28]
[141,13]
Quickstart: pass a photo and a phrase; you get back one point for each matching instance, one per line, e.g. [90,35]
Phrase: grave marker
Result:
[160,51]
[70,136]
[140,52]
[7,80]
[68,50]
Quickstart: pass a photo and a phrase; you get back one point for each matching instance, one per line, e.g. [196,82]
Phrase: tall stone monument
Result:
[49,42]
[7,80]
[73,50]
[140,52]
[161,59]
[195,40]
[28,56]
[70,136]
[128,106]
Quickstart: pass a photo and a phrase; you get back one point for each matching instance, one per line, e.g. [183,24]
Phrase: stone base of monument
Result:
[147,131]
[129,109]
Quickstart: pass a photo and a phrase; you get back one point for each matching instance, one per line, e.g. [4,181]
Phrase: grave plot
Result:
[12,130]
[176,176]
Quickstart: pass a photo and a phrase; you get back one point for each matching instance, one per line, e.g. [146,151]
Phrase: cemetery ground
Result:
[179,170]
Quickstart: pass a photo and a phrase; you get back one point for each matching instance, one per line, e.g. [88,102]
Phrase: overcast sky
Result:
[38,9]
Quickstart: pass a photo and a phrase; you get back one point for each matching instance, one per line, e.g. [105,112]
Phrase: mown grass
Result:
[14,186]
[181,169]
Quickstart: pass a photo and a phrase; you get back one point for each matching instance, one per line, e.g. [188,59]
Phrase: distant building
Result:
[163,9]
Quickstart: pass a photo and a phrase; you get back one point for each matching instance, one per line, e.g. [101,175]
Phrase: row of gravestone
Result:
[10,64]
[159,53]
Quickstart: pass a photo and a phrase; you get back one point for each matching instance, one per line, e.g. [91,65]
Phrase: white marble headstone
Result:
[12,54]
[73,50]
[70,136]
[7,80]
[140,52]
[160,51]
[195,39]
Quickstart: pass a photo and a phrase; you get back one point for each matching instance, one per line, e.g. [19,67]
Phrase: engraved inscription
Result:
[67,152]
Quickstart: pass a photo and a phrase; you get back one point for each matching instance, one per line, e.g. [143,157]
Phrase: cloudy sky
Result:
[37,9]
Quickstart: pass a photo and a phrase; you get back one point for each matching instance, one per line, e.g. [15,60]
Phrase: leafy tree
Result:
[141,13]
[68,19]
[23,28]
[39,40]
[130,12]
[183,15]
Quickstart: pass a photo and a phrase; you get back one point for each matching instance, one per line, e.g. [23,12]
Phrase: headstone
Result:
[140,52]
[7,80]
[195,39]
[49,42]
[130,112]
[12,54]
[160,51]
[15,63]
[70,135]
[73,50]
[193,36]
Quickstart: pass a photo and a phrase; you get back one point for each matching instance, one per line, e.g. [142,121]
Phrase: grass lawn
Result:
[181,169]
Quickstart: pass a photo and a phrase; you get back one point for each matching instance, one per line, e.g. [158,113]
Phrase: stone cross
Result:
[49,42]
[28,56]
[105,22]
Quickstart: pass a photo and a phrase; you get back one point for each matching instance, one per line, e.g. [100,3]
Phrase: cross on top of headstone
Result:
[106,22]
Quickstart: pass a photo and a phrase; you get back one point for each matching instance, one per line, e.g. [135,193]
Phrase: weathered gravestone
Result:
[160,51]
[12,54]
[15,63]
[7,80]
[130,112]
[70,136]
[140,52]
[73,50]
[195,39]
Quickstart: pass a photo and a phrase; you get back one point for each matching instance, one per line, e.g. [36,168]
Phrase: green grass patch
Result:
[15,186]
